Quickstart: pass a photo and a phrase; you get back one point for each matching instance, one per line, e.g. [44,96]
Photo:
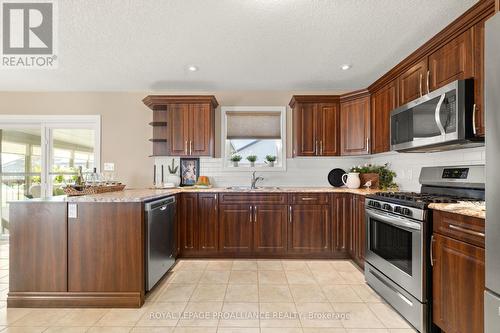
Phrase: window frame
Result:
[258,109]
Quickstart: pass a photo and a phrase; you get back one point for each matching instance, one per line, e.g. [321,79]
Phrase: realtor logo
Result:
[28,34]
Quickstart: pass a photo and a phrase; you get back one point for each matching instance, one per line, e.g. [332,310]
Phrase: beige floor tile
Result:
[279,315]
[328,277]
[176,293]
[66,329]
[366,293]
[162,314]
[186,277]
[367,330]
[244,265]
[27,329]
[193,265]
[200,314]
[343,266]
[220,265]
[354,277]
[41,317]
[389,317]
[269,265]
[121,317]
[281,330]
[242,293]
[402,330]
[320,265]
[324,330]
[81,317]
[10,315]
[114,329]
[243,277]
[195,329]
[300,277]
[359,315]
[238,330]
[274,293]
[209,292]
[340,293]
[318,315]
[304,293]
[272,277]
[248,313]
[294,265]
[215,277]
[141,329]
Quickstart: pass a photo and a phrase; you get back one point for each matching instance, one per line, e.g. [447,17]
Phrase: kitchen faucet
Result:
[255,180]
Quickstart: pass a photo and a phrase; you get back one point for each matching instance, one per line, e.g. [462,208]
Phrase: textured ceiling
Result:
[124,45]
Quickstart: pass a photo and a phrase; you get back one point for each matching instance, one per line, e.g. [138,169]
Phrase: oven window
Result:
[392,244]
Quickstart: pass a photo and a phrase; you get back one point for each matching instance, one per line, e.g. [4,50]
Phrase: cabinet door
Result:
[383,102]
[189,222]
[413,83]
[208,223]
[179,129]
[355,126]
[309,229]
[201,133]
[328,129]
[479,78]
[236,228]
[453,61]
[341,213]
[358,230]
[458,285]
[305,127]
[270,226]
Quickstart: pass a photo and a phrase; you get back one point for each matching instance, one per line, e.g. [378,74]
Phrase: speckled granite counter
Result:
[140,195]
[474,208]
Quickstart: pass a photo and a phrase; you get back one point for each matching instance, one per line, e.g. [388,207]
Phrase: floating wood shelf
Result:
[158,123]
[158,140]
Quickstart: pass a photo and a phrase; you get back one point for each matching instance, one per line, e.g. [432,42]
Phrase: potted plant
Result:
[172,176]
[235,159]
[380,176]
[252,159]
[270,159]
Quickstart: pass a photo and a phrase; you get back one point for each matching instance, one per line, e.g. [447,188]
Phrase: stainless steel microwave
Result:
[441,120]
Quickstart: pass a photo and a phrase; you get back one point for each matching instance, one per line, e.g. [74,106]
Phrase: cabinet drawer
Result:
[275,198]
[465,228]
[309,198]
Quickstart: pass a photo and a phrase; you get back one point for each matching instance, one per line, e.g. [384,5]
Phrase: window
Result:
[253,131]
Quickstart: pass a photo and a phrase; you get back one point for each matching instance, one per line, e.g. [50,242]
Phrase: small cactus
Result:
[173,169]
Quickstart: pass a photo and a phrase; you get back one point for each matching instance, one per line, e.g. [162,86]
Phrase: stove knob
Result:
[387,207]
[407,211]
[398,209]
[376,204]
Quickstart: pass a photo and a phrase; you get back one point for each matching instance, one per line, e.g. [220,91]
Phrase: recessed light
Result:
[345,67]
[193,68]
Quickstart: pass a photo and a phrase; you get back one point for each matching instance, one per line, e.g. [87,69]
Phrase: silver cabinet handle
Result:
[431,252]
[186,147]
[474,130]
[190,147]
[308,199]
[420,84]
[428,80]
[254,214]
[467,231]
[321,147]
[251,213]
[215,205]
[367,145]
[316,148]
[290,214]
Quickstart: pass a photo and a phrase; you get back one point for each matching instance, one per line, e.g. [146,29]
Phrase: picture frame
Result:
[190,171]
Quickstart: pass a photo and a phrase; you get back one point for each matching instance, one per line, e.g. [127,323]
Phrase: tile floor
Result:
[247,296]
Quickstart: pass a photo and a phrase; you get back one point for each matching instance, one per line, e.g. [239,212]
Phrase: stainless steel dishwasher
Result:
[160,239]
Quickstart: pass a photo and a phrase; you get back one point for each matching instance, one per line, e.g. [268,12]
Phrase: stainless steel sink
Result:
[248,188]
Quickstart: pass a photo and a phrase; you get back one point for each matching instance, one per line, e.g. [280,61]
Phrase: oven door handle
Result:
[394,220]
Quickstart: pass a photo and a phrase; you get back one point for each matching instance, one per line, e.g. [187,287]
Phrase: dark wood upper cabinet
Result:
[315,125]
[190,124]
[208,222]
[383,101]
[355,123]
[270,228]
[479,78]
[341,213]
[236,228]
[309,229]
[413,82]
[188,210]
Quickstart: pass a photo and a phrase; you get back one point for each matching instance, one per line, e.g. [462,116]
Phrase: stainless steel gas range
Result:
[399,228]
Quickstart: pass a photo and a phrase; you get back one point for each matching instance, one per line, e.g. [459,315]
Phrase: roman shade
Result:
[253,125]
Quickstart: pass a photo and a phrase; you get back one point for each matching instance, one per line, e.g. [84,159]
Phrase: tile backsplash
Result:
[314,171]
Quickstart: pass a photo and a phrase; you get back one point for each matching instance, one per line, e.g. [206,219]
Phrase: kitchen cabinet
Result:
[458,272]
[208,222]
[478,116]
[270,228]
[383,101]
[355,123]
[358,230]
[315,125]
[341,211]
[190,124]
[413,83]
[236,228]
[189,228]
[309,229]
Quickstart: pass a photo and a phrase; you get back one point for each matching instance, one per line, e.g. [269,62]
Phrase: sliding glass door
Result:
[39,156]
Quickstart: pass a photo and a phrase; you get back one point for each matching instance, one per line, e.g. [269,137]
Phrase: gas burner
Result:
[413,199]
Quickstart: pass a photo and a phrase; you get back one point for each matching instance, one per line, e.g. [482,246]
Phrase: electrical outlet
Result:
[109,166]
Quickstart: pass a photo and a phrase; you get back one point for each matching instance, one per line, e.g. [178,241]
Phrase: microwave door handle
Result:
[437,115]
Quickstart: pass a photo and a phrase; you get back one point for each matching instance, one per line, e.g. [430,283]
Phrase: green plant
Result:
[252,158]
[271,158]
[235,158]
[173,169]
[386,175]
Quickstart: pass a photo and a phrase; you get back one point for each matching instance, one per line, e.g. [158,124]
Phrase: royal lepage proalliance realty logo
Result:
[28,34]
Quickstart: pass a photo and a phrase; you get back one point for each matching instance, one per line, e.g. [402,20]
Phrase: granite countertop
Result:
[468,208]
[141,195]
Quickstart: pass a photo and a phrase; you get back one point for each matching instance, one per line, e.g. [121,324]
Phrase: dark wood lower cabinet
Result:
[357,246]
[208,222]
[188,224]
[342,212]
[235,228]
[270,229]
[309,229]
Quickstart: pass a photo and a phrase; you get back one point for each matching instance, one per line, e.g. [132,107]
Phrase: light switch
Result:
[109,166]
[72,211]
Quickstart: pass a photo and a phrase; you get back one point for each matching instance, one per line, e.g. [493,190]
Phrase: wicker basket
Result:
[70,191]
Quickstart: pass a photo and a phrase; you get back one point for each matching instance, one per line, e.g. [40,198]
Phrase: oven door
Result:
[395,247]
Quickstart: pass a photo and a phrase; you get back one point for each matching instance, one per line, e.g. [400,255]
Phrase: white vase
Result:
[270,163]
[351,180]
[174,179]
[235,164]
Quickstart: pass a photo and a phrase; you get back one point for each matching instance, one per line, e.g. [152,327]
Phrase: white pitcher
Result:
[351,180]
